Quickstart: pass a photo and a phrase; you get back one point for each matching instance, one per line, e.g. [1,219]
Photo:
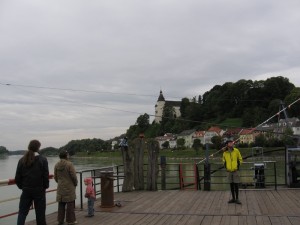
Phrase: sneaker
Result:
[231,201]
[89,215]
[238,202]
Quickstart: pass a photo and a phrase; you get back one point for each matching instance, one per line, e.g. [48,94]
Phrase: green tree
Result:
[288,137]
[292,97]
[197,145]
[3,150]
[260,140]
[217,141]
[142,123]
[180,143]
[185,102]
[166,144]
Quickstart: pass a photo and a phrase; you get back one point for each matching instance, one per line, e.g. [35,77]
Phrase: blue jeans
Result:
[29,195]
[90,204]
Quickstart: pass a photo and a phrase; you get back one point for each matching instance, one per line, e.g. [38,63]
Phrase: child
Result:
[90,195]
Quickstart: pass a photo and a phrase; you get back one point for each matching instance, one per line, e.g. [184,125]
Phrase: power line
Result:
[76,90]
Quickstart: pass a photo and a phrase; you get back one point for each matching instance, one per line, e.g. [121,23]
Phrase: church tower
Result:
[159,107]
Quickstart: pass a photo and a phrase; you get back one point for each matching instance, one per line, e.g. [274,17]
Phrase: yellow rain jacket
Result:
[231,159]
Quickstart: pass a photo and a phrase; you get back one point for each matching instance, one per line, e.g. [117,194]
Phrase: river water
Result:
[7,171]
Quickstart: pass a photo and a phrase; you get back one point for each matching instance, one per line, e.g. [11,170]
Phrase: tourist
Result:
[32,177]
[232,160]
[65,176]
[90,195]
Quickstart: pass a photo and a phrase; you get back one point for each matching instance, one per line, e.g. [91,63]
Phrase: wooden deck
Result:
[261,207]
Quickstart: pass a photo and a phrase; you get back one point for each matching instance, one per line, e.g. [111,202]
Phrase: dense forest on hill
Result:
[247,101]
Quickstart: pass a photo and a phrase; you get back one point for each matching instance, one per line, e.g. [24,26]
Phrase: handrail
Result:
[7,182]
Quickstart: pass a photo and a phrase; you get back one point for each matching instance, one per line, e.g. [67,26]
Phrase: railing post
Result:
[275,174]
[81,198]
[163,164]
[118,184]
[207,175]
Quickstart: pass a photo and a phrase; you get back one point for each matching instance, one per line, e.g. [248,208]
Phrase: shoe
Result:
[60,223]
[238,202]
[231,201]
[75,222]
[89,215]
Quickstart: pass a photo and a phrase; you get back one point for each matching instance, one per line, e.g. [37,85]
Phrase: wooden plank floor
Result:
[261,207]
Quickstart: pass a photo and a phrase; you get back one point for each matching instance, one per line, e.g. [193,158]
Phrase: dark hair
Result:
[228,141]
[63,154]
[28,158]
[34,145]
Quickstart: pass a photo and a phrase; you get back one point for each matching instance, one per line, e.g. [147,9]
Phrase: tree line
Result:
[252,102]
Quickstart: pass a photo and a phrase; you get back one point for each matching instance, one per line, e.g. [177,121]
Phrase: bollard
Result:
[107,189]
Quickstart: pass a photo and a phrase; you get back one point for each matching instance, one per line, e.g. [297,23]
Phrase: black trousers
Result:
[29,196]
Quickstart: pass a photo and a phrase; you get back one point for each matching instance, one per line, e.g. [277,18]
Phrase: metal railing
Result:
[252,176]
[94,173]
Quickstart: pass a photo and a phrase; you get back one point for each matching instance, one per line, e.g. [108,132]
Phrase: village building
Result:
[211,132]
[168,137]
[199,135]
[187,135]
[247,136]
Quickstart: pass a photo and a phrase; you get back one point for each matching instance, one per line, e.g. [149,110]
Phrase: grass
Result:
[186,153]
[231,122]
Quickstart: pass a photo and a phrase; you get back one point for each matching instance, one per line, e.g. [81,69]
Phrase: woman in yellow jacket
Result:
[232,159]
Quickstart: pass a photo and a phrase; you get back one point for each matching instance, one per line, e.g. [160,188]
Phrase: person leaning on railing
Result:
[232,160]
[32,177]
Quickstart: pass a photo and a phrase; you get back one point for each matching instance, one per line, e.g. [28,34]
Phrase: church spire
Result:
[161,97]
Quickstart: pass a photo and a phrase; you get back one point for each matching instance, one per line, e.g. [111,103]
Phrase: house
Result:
[232,133]
[211,132]
[278,129]
[187,135]
[161,103]
[167,137]
[199,135]
[247,136]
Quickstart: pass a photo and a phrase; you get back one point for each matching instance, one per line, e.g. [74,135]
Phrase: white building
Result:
[161,103]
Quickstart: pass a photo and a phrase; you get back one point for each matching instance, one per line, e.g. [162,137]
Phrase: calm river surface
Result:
[7,171]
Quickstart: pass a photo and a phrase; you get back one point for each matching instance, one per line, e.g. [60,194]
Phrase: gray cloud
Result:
[124,52]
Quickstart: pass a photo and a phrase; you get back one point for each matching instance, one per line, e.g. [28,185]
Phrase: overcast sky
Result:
[87,69]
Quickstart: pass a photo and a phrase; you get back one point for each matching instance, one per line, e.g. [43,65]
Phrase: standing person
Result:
[32,177]
[232,160]
[90,195]
[65,176]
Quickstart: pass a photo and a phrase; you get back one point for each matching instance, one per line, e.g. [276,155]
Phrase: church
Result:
[161,103]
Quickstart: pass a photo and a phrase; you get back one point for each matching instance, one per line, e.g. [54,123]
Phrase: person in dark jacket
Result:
[65,176]
[32,177]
